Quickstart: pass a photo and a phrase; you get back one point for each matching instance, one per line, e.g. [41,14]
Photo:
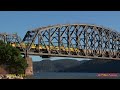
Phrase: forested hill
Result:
[91,66]
[56,65]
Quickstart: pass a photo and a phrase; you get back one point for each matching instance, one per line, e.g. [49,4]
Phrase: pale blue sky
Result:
[21,21]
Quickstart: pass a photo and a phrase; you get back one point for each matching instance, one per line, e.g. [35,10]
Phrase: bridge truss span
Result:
[12,39]
[74,40]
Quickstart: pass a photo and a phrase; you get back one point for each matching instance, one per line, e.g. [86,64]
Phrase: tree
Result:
[12,59]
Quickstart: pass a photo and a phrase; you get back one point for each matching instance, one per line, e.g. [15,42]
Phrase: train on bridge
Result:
[64,50]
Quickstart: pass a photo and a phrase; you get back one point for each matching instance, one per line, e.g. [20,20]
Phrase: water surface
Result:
[64,75]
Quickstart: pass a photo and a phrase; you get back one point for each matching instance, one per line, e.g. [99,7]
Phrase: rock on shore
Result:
[10,76]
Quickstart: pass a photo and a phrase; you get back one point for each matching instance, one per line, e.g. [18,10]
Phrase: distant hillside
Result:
[97,66]
[67,65]
[55,66]
[43,66]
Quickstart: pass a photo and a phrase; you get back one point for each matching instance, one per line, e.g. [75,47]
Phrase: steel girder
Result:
[80,40]
[11,38]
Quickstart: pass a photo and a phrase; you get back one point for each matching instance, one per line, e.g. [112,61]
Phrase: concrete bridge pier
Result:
[29,69]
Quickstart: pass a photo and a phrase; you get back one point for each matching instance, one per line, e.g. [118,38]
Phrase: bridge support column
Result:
[29,69]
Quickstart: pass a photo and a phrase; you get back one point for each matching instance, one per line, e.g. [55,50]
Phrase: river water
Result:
[59,75]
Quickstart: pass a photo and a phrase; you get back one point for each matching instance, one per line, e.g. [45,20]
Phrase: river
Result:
[64,75]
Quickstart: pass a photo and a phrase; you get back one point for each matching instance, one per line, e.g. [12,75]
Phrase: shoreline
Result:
[12,76]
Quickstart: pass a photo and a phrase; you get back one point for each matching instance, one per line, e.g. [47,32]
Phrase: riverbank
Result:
[11,76]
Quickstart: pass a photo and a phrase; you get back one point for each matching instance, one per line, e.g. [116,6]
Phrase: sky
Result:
[22,21]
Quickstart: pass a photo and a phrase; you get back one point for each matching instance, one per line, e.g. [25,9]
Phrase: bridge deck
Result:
[72,56]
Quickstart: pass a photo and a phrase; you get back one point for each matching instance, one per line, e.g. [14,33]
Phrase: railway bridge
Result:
[68,40]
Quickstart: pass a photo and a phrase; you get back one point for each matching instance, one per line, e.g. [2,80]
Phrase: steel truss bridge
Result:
[68,40]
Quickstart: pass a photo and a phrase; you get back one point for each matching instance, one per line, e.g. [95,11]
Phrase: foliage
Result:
[12,59]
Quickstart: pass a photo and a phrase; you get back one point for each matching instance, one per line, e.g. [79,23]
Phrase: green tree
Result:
[12,59]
